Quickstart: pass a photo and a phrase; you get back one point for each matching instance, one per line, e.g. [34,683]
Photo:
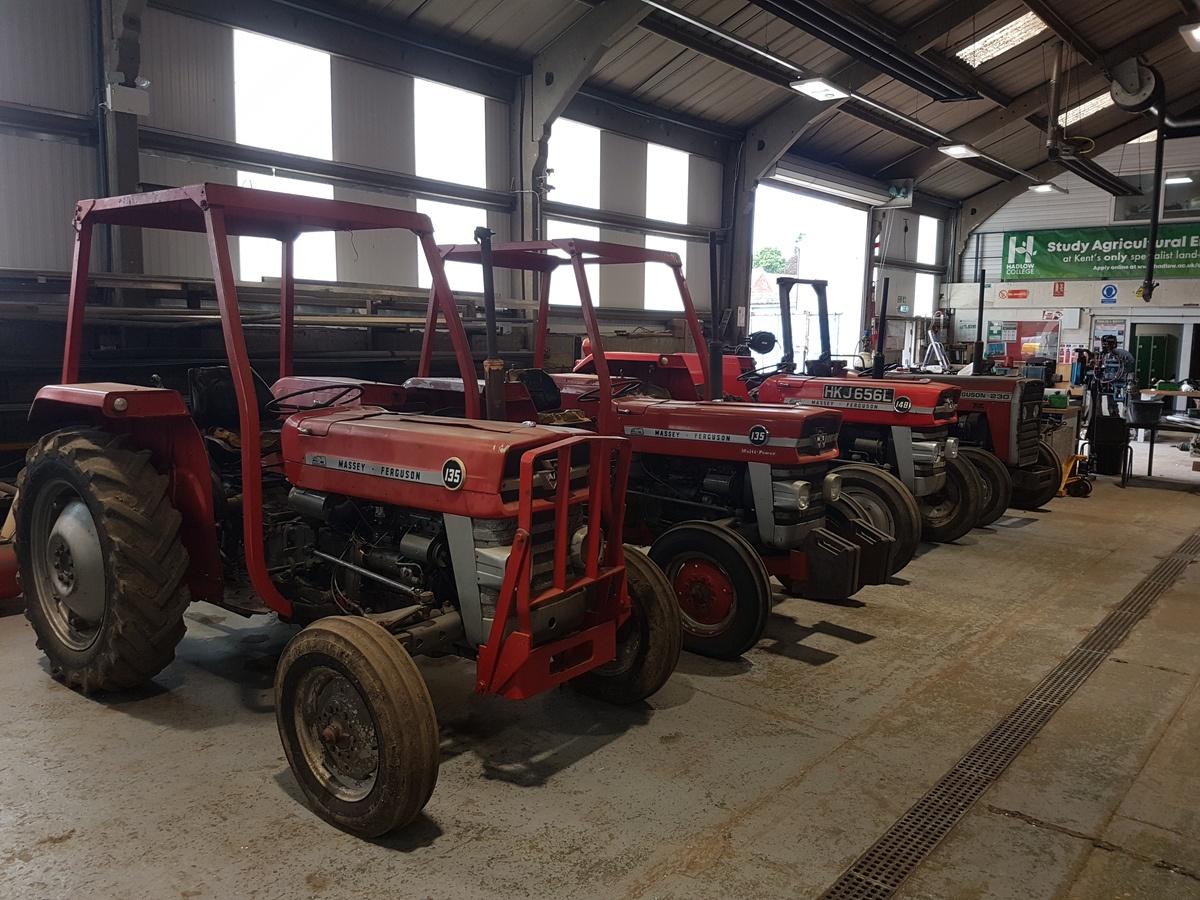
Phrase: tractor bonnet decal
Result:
[454,473]
[861,394]
[850,396]
[757,437]
[386,470]
[986,395]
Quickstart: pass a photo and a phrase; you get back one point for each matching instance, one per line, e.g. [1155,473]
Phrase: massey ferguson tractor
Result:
[386,534]
[725,493]
[1001,416]
[906,426]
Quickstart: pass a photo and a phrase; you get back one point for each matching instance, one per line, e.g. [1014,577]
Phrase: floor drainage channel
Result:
[879,872]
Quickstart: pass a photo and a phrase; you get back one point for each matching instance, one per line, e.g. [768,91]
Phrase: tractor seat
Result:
[541,387]
[213,401]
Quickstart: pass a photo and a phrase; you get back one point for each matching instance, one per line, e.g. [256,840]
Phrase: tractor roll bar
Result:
[546,256]
[220,211]
[821,287]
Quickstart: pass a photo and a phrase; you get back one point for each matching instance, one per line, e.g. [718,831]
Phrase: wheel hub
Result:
[69,573]
[706,597]
[346,730]
[337,733]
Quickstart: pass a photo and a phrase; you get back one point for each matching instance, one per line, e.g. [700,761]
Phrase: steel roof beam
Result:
[1067,32]
[978,208]
[1030,104]
[863,38]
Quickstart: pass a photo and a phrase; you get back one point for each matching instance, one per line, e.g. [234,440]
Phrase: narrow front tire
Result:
[648,642]
[357,725]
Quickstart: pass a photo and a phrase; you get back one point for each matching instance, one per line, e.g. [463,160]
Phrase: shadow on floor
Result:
[785,637]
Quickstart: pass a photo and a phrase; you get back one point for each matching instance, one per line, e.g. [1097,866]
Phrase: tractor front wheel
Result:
[721,585]
[102,565]
[1048,477]
[357,725]
[997,483]
[953,511]
[648,642]
[889,506]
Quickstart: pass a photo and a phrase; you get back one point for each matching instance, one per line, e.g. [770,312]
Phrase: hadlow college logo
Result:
[1020,255]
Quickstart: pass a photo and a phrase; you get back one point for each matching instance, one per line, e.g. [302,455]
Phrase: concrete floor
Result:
[761,778]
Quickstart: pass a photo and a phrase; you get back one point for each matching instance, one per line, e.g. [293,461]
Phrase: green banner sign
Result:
[1112,252]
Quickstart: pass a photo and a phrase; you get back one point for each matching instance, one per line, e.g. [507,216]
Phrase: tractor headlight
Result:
[791,495]
[951,448]
[831,487]
[578,543]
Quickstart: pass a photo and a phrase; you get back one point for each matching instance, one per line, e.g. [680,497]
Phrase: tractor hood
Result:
[753,432]
[443,465]
[919,403]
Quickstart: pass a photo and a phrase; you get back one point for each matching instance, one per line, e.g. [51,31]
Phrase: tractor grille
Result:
[1029,423]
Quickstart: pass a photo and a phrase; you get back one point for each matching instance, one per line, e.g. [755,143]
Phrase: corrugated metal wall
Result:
[39,184]
[29,72]
[1084,205]
[189,64]
[40,180]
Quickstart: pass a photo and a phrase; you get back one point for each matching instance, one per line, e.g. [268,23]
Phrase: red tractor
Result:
[726,492]
[386,534]
[885,429]
[1002,415]
[905,425]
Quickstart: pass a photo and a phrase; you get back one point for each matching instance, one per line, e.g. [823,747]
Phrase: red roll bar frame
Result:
[219,211]
[544,257]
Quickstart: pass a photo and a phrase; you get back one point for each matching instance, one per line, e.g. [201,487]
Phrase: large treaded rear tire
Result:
[997,483]
[144,560]
[953,511]
[648,642]
[383,710]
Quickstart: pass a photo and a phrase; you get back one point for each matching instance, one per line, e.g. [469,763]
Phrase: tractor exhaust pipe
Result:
[493,366]
[977,361]
[880,333]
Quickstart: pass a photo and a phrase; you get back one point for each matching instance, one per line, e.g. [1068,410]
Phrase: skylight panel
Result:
[1084,109]
[1002,39]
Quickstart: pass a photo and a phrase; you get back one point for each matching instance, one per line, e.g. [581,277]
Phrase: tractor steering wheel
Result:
[624,390]
[347,394]
[766,372]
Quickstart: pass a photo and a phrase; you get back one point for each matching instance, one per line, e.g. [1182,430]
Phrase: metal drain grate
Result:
[878,873]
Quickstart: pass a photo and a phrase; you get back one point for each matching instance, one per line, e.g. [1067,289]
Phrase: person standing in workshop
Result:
[1116,367]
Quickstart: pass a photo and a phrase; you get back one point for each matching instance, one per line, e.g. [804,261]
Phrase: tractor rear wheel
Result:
[101,561]
[953,511]
[1049,476]
[648,642]
[721,585]
[889,505]
[357,725]
[997,483]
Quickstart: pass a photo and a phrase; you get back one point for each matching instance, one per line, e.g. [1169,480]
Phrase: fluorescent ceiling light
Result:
[1178,179]
[1047,187]
[1002,39]
[1191,36]
[819,89]
[959,151]
[1145,138]
[824,179]
[1085,109]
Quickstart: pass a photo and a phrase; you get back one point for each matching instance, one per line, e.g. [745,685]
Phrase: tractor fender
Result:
[158,420]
